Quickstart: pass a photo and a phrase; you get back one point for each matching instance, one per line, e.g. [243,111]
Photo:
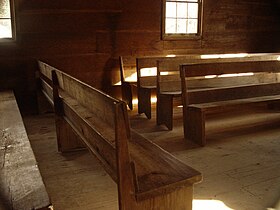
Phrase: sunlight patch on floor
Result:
[209,205]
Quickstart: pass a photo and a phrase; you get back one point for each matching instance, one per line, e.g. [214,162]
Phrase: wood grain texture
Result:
[68,140]
[226,95]
[70,36]
[147,176]
[21,187]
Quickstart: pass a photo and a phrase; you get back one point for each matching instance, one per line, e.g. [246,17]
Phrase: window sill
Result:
[181,37]
[7,41]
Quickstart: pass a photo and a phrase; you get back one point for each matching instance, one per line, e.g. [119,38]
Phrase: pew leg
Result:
[194,125]
[164,113]
[67,139]
[144,102]
[127,94]
[176,200]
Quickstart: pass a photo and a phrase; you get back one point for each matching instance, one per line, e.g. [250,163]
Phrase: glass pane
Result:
[5,9]
[182,9]
[170,26]
[182,26]
[192,27]
[192,0]
[170,9]
[192,10]
[5,29]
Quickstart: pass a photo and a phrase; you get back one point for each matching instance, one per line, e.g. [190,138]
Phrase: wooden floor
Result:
[240,163]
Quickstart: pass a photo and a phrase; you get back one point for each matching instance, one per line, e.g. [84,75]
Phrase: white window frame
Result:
[13,25]
[197,35]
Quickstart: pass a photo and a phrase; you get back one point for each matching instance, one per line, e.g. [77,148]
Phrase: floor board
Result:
[240,162]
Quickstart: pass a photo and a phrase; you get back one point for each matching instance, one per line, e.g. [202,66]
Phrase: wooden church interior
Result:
[130,105]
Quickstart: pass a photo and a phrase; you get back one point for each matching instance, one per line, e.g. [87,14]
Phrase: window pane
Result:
[5,9]
[192,26]
[182,26]
[5,29]
[192,10]
[182,10]
[170,9]
[170,26]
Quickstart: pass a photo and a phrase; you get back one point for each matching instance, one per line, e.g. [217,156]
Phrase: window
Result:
[182,18]
[6,20]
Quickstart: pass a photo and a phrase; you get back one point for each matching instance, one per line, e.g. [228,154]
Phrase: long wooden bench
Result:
[147,176]
[169,82]
[21,184]
[225,86]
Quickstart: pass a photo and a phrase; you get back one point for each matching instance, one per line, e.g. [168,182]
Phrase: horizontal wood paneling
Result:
[69,4]
[85,38]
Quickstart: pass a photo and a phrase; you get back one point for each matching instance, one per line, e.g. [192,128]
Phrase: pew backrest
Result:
[169,71]
[45,77]
[230,80]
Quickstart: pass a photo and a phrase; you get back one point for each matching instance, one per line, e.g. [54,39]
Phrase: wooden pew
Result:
[146,73]
[220,92]
[147,176]
[147,79]
[66,137]
[21,184]
[169,82]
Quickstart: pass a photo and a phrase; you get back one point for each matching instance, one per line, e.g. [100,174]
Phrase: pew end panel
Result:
[128,79]
[68,140]
[146,83]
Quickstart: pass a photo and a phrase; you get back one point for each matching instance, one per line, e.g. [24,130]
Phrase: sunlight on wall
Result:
[170,56]
[233,55]
[131,78]
[278,58]
[209,205]
[153,100]
[146,72]
[230,75]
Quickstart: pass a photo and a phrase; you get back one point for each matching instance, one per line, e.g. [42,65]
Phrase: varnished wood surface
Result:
[240,163]
[67,138]
[230,95]
[153,175]
[21,187]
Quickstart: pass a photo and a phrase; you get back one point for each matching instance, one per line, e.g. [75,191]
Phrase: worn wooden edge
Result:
[187,176]
[19,166]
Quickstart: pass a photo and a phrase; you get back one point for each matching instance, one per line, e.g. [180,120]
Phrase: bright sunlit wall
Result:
[7,25]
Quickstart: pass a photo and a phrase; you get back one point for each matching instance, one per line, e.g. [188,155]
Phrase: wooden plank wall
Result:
[228,26]
[84,38]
